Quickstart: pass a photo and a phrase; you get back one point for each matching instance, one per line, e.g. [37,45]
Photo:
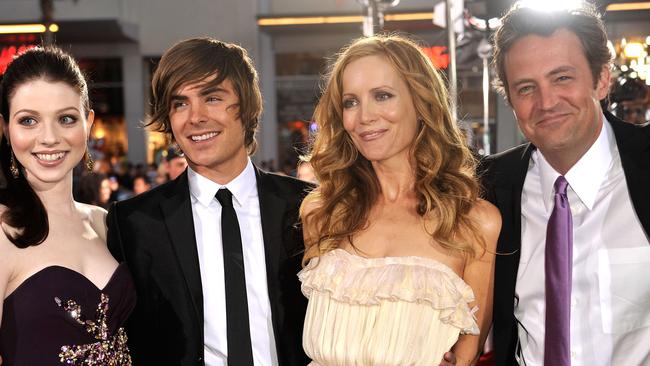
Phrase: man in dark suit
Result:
[214,253]
[553,69]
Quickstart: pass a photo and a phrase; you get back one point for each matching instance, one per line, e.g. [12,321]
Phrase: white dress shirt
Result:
[206,212]
[610,299]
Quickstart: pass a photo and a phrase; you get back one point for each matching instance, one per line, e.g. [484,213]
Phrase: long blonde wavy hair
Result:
[444,168]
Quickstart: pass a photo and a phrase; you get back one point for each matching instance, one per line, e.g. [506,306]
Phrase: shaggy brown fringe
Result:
[445,183]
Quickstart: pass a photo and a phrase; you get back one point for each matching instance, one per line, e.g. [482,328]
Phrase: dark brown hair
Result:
[196,59]
[25,211]
[520,21]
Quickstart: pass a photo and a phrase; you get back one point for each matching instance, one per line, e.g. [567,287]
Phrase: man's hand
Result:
[448,359]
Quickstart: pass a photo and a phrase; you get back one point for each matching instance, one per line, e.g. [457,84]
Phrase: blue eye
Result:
[27,121]
[68,120]
[213,99]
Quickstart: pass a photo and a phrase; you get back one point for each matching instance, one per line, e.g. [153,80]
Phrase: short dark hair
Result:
[520,21]
[196,59]
[145,178]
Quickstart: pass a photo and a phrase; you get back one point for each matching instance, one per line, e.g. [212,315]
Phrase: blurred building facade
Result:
[119,41]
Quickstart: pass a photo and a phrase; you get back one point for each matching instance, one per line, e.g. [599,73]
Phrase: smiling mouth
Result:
[50,157]
[372,135]
[203,137]
[552,118]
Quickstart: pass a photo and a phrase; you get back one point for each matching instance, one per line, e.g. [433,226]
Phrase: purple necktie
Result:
[558,262]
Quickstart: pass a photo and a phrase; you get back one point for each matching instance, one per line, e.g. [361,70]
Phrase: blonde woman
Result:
[399,248]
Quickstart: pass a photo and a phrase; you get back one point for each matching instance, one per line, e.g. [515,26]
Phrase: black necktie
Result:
[240,352]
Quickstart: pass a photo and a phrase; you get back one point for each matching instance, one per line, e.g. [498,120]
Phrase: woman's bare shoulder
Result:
[93,212]
[487,219]
[486,212]
[96,216]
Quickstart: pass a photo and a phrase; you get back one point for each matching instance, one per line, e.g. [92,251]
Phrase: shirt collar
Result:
[586,176]
[242,187]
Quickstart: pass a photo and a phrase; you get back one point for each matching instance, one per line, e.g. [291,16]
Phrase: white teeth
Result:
[205,136]
[50,157]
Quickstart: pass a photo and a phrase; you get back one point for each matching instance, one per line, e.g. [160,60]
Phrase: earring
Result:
[88,159]
[13,167]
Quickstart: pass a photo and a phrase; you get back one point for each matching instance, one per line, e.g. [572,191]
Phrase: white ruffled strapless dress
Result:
[402,311]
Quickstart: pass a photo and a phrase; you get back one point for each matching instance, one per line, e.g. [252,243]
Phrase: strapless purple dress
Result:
[58,317]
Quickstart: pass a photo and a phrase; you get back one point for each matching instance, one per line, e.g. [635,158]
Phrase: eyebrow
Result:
[557,70]
[560,70]
[213,90]
[68,108]
[203,92]
[377,88]
[175,97]
[31,111]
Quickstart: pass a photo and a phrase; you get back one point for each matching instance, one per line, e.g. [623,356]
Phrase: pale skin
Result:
[395,230]
[380,117]
[77,232]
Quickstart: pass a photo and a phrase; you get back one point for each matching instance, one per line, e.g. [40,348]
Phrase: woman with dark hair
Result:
[92,188]
[400,249]
[65,296]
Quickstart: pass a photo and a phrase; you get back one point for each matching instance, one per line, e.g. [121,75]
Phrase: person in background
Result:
[118,193]
[93,189]
[152,173]
[572,283]
[65,298]
[175,163]
[305,172]
[141,184]
[400,249]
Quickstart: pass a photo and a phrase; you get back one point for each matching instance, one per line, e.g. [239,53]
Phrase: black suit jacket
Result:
[154,234]
[503,177]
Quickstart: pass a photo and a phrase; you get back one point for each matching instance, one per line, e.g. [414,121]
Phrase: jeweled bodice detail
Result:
[108,350]
[58,317]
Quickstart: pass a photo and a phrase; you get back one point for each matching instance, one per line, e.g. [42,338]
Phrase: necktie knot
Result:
[561,185]
[224,197]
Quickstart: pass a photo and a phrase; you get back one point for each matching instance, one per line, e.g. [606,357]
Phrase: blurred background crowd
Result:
[118,44]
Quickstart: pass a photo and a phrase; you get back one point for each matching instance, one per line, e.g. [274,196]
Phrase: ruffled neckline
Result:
[357,280]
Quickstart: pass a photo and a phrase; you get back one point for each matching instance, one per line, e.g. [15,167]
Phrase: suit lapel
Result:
[517,188]
[634,149]
[177,213]
[509,178]
[509,187]
[272,212]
